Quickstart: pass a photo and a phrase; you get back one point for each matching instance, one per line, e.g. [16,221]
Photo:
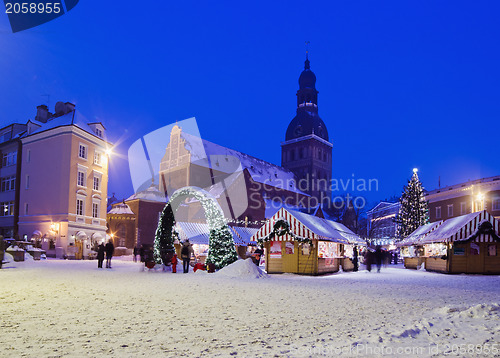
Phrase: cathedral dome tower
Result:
[307,151]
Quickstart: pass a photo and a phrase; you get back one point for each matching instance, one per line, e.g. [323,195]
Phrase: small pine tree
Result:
[165,235]
[221,252]
[414,210]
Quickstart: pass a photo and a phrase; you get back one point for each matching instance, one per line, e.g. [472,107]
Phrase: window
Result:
[98,132]
[462,208]
[28,156]
[438,212]
[25,208]
[8,183]
[81,178]
[97,182]
[98,158]
[27,181]
[79,207]
[95,210]
[496,204]
[450,210]
[7,208]
[9,159]
[82,152]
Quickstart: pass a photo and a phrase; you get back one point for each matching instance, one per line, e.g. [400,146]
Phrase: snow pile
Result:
[480,311]
[243,269]
[8,257]
[14,248]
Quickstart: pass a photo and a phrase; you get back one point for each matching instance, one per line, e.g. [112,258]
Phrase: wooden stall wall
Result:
[308,264]
[273,264]
[436,264]
[492,258]
[464,258]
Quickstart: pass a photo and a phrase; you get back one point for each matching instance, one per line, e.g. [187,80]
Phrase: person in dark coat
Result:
[368,259]
[141,253]
[136,252]
[256,256]
[100,255]
[355,258]
[379,256]
[110,248]
[186,252]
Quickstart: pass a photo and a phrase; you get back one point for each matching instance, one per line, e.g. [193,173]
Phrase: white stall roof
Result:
[415,237]
[460,228]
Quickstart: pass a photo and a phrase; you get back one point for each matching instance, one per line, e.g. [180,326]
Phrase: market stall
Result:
[466,244]
[411,247]
[296,242]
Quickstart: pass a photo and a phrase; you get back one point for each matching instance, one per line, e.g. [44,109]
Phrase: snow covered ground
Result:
[59,308]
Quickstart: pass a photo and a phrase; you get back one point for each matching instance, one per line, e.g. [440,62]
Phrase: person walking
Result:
[355,258]
[186,252]
[379,255]
[100,255]
[136,252]
[110,248]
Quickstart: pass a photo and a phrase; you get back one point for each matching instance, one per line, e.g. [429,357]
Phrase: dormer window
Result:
[98,132]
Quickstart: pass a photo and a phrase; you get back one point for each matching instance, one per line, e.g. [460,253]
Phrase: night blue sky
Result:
[401,84]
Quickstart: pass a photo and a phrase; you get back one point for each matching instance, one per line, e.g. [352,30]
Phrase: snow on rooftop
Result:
[450,227]
[419,234]
[74,117]
[121,208]
[199,233]
[327,229]
[223,159]
[152,193]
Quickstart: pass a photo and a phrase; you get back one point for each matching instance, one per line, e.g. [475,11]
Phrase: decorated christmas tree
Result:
[414,210]
[221,252]
[165,234]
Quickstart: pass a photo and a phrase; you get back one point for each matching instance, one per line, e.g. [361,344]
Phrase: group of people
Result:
[107,250]
[379,256]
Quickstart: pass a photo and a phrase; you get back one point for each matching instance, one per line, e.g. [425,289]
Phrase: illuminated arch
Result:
[221,250]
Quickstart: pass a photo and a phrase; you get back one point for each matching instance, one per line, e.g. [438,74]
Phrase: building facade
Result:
[307,151]
[244,186]
[381,227]
[10,169]
[133,222]
[64,181]
[465,198]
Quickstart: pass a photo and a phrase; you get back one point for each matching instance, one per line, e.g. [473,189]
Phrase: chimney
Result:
[70,107]
[42,113]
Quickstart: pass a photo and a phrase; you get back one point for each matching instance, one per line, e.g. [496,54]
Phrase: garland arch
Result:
[221,251]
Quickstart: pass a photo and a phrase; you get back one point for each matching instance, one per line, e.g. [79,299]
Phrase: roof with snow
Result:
[122,209]
[419,234]
[74,118]
[152,193]
[199,233]
[461,228]
[309,226]
[227,160]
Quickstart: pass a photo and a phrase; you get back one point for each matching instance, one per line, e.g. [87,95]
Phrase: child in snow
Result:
[174,263]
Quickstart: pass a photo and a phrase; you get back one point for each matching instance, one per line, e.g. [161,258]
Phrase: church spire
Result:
[307,65]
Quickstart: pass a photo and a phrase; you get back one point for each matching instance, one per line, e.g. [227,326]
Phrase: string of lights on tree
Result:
[414,209]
